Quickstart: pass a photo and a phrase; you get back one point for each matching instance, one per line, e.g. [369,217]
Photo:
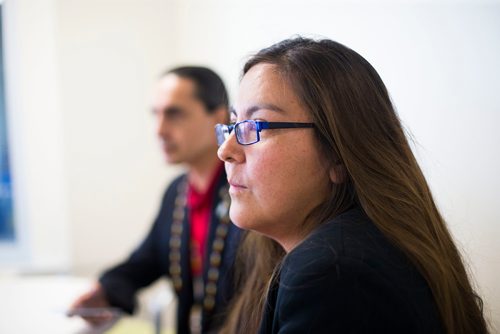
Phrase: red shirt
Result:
[200,208]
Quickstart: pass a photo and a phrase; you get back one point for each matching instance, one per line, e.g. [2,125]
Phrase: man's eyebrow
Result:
[253,109]
[168,110]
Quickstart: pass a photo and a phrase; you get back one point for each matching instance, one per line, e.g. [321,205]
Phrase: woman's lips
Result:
[236,187]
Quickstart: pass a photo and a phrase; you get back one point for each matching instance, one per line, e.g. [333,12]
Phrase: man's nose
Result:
[162,127]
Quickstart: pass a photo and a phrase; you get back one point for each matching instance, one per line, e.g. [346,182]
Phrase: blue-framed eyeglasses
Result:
[248,131]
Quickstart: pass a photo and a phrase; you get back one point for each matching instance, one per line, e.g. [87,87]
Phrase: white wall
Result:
[111,52]
[88,68]
[36,137]
[87,174]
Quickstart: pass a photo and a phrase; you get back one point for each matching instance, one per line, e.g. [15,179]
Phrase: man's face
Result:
[184,127]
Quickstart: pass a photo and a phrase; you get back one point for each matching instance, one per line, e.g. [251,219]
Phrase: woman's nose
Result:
[230,150]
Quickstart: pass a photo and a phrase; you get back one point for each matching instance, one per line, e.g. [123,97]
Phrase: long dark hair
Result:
[360,133]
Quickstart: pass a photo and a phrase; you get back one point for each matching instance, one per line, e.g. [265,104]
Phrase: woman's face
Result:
[276,182]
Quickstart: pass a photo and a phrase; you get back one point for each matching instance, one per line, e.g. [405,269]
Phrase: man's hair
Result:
[209,87]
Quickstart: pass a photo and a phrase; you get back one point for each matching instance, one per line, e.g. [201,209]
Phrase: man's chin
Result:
[171,158]
[173,161]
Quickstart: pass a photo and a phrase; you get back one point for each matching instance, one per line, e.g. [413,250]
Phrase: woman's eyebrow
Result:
[253,109]
[232,111]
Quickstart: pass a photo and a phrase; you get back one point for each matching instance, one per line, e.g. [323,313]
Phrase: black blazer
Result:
[346,277]
[150,261]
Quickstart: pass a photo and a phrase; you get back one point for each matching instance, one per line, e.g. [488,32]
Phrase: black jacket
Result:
[346,277]
[150,261]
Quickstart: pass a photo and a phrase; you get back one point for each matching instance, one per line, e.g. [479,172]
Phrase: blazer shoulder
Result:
[176,181]
[171,190]
[349,266]
[332,239]
[350,237]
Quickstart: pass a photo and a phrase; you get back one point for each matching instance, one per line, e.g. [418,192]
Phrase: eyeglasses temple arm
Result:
[282,125]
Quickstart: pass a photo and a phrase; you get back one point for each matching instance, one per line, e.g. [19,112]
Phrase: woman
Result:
[349,239]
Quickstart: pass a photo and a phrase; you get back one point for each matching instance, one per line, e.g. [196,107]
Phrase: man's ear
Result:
[221,115]
[337,173]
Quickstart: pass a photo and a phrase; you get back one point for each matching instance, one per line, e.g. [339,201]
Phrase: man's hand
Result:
[93,307]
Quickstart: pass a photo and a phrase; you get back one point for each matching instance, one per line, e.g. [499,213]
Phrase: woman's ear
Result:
[337,173]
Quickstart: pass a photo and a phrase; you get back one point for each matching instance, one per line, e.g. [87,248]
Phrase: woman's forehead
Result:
[263,88]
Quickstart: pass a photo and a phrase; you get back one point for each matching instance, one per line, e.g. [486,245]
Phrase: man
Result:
[192,240]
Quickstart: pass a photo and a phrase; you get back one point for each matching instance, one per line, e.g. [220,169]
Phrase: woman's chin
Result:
[240,217]
[241,223]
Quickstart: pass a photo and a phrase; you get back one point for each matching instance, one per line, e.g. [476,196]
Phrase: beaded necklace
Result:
[222,212]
